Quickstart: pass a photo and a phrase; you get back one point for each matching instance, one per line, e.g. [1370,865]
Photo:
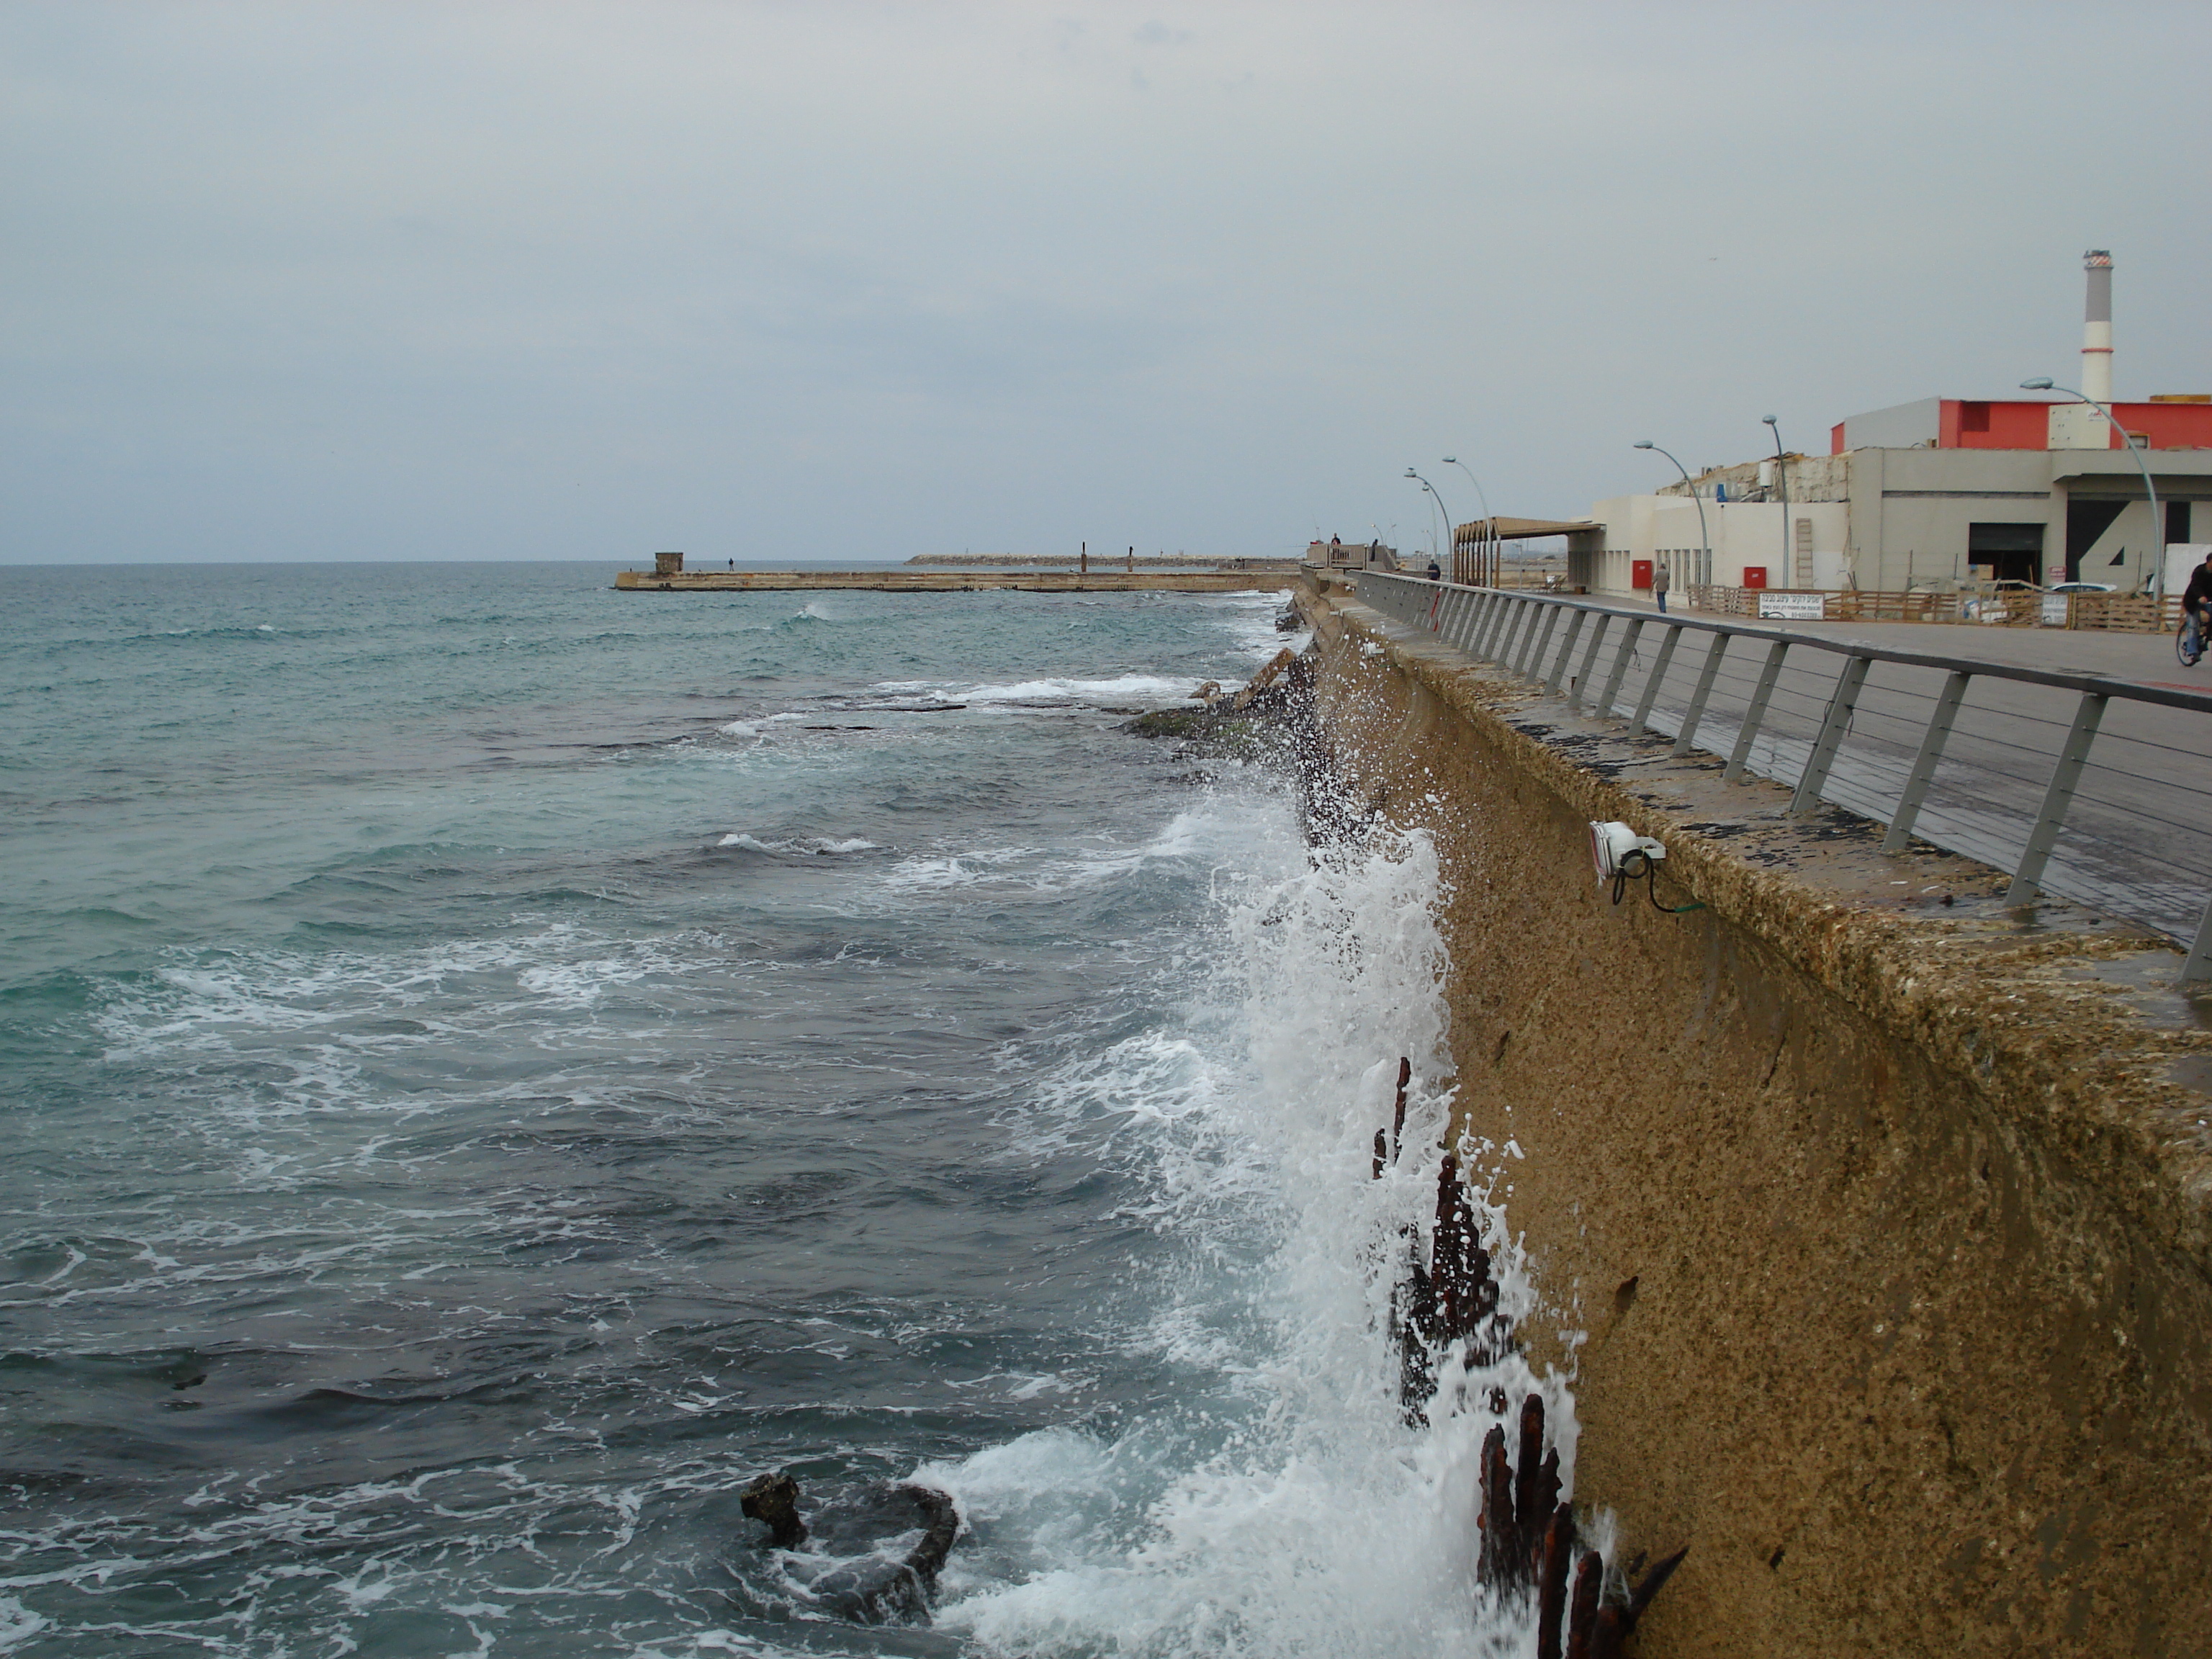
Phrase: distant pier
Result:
[1103,576]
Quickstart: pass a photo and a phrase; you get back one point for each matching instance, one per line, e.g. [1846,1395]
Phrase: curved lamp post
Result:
[1491,517]
[1703,534]
[1431,489]
[1782,484]
[2157,532]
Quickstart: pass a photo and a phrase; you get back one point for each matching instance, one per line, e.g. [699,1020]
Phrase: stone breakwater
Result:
[907,580]
[1871,1217]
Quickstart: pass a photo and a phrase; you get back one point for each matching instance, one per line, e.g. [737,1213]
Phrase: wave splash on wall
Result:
[1286,1502]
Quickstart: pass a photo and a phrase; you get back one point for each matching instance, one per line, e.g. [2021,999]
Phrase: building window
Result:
[1973,417]
[2177,521]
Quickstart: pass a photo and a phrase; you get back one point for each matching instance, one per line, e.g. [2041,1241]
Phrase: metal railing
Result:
[2085,787]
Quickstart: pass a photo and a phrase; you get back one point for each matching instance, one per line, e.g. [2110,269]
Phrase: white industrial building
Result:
[1934,494]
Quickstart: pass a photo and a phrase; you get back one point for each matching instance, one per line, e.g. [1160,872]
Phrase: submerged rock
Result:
[868,1589]
[774,1498]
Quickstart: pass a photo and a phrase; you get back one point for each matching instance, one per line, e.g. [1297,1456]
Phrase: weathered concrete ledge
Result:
[1872,1216]
[907,580]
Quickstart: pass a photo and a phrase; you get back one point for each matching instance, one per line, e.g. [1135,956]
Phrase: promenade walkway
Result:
[2135,836]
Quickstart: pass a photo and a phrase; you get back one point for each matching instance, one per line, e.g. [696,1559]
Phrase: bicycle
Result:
[2188,639]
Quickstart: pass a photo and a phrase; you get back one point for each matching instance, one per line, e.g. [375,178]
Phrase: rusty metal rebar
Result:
[1551,1580]
[1527,1475]
[1581,1609]
[1495,1564]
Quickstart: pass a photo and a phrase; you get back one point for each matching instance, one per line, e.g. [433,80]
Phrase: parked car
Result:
[2081,587]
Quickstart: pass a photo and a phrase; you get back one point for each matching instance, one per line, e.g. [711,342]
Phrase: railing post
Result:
[1494,604]
[1643,720]
[1566,651]
[1619,669]
[2199,964]
[1589,661]
[1508,614]
[1514,631]
[1841,702]
[1685,739]
[1755,712]
[1461,619]
[1924,763]
[2056,798]
[1463,623]
[1501,624]
[1516,635]
[1532,662]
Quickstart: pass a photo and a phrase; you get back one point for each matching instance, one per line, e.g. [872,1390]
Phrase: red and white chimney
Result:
[2096,327]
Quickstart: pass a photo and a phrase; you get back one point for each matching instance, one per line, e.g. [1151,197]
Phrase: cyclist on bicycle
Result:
[2196,608]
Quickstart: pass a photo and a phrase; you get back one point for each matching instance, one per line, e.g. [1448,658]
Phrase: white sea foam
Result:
[963,869]
[758,727]
[822,844]
[1123,688]
[18,1624]
[1249,619]
[1201,833]
[1316,1522]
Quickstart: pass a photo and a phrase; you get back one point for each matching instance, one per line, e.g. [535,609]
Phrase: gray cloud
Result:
[382,281]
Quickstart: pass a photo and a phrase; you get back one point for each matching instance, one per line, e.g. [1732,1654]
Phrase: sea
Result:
[490,1064]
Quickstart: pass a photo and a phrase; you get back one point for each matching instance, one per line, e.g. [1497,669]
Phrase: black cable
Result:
[1651,887]
[1623,874]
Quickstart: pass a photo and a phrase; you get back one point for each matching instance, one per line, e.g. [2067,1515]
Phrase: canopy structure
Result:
[1477,546]
[1503,529]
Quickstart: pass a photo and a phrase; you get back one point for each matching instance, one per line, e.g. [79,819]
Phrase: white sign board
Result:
[2182,559]
[2054,610]
[1793,607]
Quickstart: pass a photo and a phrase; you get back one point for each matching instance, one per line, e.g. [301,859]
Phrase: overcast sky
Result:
[542,281]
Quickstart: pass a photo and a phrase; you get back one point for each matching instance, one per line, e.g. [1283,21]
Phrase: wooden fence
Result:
[2003,607]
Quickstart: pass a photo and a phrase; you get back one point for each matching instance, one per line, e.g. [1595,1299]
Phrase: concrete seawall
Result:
[1872,1216]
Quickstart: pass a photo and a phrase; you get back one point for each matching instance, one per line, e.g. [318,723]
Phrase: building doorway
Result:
[2014,552]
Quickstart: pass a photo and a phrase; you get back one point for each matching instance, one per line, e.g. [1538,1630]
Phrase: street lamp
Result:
[2157,532]
[1782,484]
[1703,534]
[1431,489]
[1489,517]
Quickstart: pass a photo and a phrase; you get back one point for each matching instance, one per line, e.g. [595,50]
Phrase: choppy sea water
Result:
[491,1064]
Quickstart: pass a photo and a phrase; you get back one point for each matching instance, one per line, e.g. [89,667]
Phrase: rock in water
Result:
[774,1498]
[873,1591]
[943,1520]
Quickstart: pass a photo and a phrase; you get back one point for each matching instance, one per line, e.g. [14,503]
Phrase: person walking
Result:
[1660,578]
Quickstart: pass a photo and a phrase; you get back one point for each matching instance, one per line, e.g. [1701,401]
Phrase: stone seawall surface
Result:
[1872,1217]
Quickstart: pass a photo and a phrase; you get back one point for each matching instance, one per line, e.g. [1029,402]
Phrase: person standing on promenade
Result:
[1660,578]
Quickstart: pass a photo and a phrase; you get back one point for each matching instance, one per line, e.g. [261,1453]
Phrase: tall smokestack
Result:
[2097,328]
